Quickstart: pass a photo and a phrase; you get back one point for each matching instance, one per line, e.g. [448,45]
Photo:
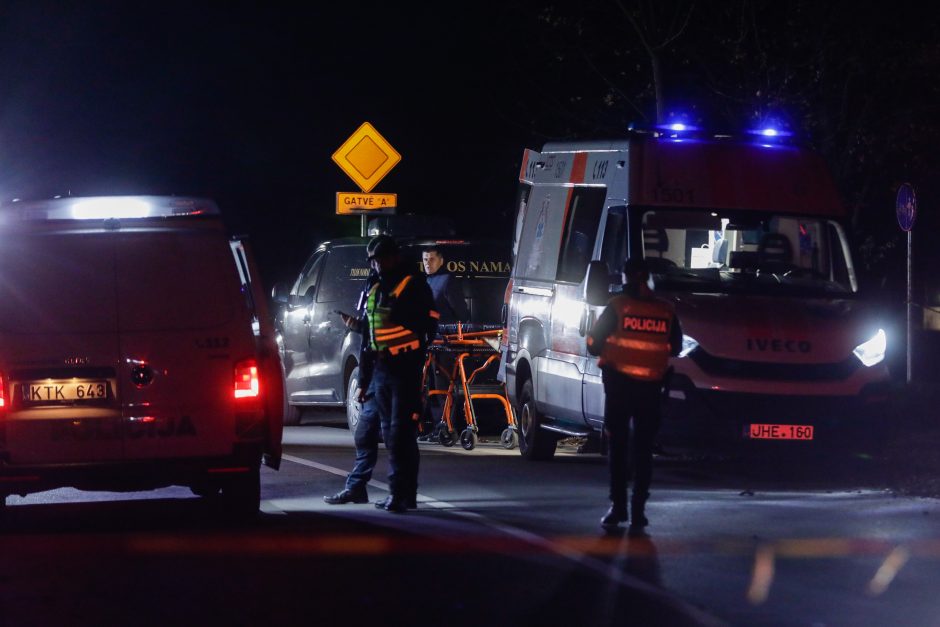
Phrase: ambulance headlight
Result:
[873,351]
[688,345]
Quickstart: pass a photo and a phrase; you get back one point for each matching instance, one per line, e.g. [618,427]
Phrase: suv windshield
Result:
[733,251]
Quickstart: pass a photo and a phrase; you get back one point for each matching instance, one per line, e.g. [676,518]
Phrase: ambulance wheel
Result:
[241,494]
[509,439]
[446,437]
[535,443]
[353,406]
[468,439]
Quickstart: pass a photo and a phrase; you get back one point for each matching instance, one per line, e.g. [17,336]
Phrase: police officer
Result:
[366,437]
[401,321]
[634,336]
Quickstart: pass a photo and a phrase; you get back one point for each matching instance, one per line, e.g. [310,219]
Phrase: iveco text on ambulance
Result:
[745,237]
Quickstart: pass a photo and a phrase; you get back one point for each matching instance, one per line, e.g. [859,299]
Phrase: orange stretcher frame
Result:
[465,346]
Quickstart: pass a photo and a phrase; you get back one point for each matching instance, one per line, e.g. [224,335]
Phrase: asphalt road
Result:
[783,540]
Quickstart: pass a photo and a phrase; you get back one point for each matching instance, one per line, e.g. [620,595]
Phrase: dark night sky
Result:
[245,103]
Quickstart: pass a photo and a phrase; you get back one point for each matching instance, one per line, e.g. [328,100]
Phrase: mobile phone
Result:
[343,313]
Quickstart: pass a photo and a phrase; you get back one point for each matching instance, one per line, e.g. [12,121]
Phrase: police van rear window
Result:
[55,283]
[175,279]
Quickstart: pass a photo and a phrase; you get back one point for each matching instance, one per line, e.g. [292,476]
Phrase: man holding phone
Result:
[366,437]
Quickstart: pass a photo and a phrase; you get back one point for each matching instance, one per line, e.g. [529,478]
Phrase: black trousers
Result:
[630,400]
[397,385]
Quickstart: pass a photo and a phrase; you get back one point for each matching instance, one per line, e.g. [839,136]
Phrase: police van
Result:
[320,356]
[136,350]
[746,237]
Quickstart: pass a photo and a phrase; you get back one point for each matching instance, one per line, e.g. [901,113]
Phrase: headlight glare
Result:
[688,345]
[873,351]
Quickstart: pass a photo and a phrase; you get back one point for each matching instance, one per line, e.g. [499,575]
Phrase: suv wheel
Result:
[291,412]
[535,443]
[353,407]
[241,495]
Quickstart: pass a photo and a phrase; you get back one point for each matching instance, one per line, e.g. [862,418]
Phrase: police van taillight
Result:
[3,395]
[247,380]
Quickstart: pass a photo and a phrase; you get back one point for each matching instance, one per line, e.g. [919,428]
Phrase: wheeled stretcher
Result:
[475,349]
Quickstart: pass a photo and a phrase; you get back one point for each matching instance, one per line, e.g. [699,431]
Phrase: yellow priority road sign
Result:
[363,204]
[366,157]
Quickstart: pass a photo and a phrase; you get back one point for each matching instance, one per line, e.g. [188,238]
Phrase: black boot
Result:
[615,515]
[393,504]
[348,496]
[638,507]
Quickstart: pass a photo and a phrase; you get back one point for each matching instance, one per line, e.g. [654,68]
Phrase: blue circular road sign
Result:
[906,206]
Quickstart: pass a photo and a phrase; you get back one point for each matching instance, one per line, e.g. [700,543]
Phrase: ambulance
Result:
[746,235]
[136,351]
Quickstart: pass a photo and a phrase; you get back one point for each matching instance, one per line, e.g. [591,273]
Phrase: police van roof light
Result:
[108,208]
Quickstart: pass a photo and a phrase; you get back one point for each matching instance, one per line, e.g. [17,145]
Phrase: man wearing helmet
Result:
[401,320]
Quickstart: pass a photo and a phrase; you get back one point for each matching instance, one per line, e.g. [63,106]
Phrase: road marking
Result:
[564,550]
[762,576]
[888,570]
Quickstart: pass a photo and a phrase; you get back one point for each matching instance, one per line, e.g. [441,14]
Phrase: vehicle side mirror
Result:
[597,284]
[279,293]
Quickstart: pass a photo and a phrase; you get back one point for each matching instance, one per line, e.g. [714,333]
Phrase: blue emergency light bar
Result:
[107,208]
[678,131]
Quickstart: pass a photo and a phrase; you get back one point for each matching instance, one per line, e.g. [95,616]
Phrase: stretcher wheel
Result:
[509,438]
[468,439]
[446,438]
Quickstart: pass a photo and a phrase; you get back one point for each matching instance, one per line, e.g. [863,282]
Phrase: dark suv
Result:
[319,356]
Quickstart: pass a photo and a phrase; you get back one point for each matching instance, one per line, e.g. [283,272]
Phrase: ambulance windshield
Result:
[716,251]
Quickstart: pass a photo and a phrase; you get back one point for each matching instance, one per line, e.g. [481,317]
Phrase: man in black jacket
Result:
[448,295]
[366,436]
[634,336]
[401,322]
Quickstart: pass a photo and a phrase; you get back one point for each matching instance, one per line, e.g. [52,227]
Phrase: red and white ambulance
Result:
[747,237]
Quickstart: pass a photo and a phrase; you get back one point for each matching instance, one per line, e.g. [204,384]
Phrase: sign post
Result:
[906,210]
[366,157]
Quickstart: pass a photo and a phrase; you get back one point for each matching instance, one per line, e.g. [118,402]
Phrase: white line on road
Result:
[560,549]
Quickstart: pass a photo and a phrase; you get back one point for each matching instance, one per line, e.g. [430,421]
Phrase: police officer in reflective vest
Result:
[401,321]
[366,437]
[634,336]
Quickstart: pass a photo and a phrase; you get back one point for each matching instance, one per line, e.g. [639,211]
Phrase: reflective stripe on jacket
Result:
[639,346]
[385,334]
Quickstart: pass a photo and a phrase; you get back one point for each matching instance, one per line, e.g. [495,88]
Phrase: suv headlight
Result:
[688,345]
[873,351]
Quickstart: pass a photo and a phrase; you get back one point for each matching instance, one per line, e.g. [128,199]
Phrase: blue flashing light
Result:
[770,130]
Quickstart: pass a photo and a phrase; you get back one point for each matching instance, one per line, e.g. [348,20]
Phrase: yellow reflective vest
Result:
[385,334]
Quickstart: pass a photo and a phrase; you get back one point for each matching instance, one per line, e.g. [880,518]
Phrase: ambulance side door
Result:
[613,252]
[567,354]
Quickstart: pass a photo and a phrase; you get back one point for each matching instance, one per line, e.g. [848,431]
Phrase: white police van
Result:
[135,350]
[746,237]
